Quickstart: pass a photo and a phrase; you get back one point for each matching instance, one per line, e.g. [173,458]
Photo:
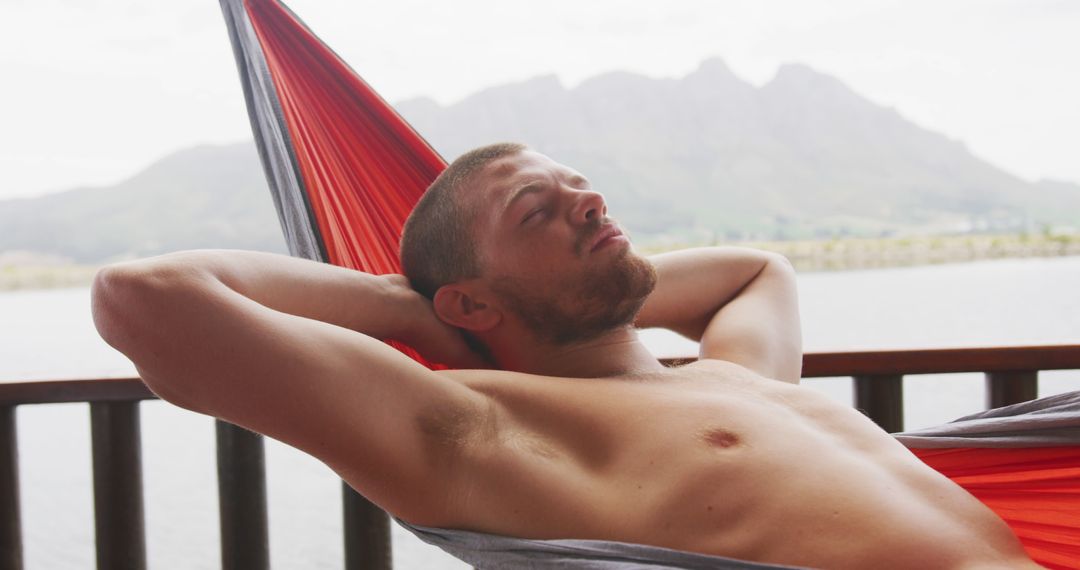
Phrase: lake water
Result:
[49,334]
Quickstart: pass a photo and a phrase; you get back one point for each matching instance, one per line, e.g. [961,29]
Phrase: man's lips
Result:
[605,234]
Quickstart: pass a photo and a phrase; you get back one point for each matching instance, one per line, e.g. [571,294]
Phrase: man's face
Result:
[551,255]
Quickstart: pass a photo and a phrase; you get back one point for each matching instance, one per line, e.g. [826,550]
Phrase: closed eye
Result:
[532,214]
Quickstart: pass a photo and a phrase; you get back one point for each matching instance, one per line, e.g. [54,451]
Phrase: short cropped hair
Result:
[438,245]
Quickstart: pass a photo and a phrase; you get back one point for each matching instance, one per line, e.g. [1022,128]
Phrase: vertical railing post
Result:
[1013,387]
[118,488]
[10,518]
[881,397]
[367,533]
[242,498]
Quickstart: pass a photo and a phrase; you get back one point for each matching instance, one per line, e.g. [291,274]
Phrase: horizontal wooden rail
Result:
[77,390]
[815,365]
[908,361]
[942,360]
[1011,376]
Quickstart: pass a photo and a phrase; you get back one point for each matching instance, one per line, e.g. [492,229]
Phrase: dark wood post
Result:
[367,533]
[1006,388]
[242,499]
[881,397]
[10,518]
[118,489]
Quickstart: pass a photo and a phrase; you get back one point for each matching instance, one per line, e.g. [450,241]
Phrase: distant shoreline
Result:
[847,254]
[871,253]
[30,276]
[25,273]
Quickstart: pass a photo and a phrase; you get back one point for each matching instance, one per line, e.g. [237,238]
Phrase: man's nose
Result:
[588,206]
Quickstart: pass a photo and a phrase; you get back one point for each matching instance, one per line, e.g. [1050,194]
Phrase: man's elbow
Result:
[780,262]
[123,297]
[111,300]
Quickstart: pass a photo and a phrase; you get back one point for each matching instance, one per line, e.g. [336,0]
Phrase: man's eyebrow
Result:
[535,186]
[527,188]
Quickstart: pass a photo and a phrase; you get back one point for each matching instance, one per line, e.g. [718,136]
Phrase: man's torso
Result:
[709,458]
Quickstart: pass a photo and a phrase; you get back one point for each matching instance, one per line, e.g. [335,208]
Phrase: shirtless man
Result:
[567,427]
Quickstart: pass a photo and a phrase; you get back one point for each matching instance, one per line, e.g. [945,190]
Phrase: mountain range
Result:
[704,158]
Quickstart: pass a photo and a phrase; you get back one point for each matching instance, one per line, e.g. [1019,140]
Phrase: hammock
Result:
[344,170]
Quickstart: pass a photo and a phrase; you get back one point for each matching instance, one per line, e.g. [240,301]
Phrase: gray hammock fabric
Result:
[1046,422]
[272,137]
[1051,421]
[495,552]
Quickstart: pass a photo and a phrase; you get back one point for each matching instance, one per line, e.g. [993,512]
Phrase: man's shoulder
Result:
[721,369]
[495,382]
[484,379]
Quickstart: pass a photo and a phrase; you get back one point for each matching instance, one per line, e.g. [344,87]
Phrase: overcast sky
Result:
[94,90]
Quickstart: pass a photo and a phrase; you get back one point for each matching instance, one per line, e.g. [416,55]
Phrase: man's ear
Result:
[458,306]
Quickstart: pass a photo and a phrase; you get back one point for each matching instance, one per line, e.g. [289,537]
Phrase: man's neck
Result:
[616,353]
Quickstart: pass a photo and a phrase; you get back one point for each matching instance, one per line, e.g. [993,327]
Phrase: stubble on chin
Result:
[583,307]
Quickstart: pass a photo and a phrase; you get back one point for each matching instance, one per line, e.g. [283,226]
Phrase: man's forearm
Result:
[694,284]
[355,300]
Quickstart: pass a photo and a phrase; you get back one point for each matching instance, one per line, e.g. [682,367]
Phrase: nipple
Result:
[720,437]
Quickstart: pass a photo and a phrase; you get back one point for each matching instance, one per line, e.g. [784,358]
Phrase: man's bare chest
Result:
[699,401]
[716,461]
[667,437]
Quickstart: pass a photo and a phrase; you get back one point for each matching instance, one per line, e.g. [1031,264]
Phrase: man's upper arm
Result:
[353,402]
[760,328]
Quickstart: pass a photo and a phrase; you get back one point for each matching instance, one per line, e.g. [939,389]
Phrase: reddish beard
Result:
[575,308]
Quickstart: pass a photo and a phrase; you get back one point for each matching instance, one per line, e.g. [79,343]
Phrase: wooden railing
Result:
[1011,376]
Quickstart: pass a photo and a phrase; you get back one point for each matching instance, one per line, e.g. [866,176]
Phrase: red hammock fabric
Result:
[360,168]
[1035,490]
[364,166]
